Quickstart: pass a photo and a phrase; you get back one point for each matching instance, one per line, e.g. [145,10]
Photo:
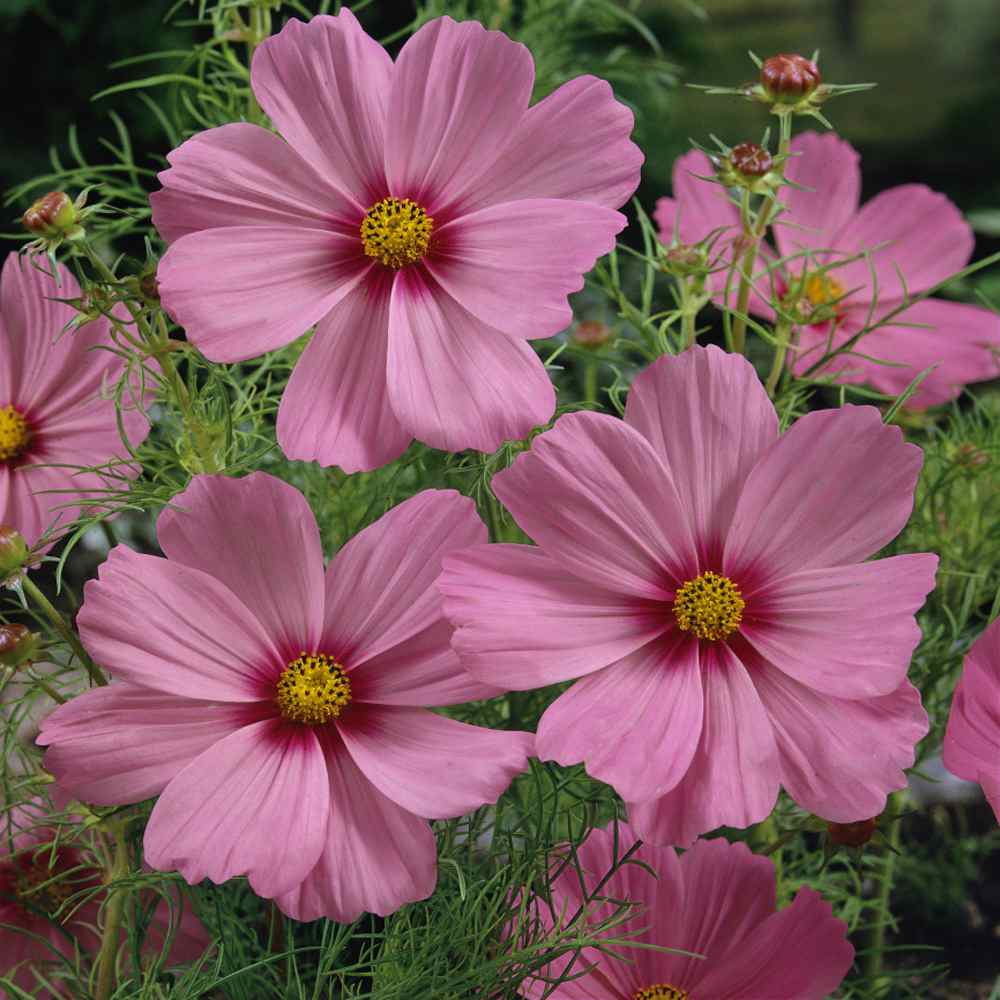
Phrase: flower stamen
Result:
[822,290]
[660,991]
[313,689]
[396,232]
[14,433]
[710,605]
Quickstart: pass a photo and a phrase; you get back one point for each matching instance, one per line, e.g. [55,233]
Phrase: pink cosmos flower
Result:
[921,235]
[704,577]
[972,737]
[37,878]
[53,415]
[716,900]
[417,211]
[279,713]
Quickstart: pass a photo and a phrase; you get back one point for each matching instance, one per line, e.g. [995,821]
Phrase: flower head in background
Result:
[419,212]
[704,577]
[972,737]
[279,713]
[55,416]
[40,870]
[716,900]
[916,238]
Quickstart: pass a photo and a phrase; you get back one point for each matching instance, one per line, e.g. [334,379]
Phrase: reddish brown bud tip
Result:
[750,159]
[13,551]
[18,645]
[789,76]
[149,286]
[592,334]
[852,834]
[52,215]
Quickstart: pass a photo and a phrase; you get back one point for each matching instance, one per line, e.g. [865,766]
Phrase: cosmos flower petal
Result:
[264,287]
[430,765]
[243,175]
[541,247]
[972,737]
[256,803]
[960,342]
[175,629]
[325,85]
[709,419]
[596,497]
[258,537]
[802,506]
[422,671]
[524,622]
[550,156]
[376,856]
[438,151]
[922,236]
[124,743]
[454,381]
[335,409]
[380,586]
[799,953]
[636,724]
[35,499]
[733,778]
[831,169]
[847,631]
[840,758]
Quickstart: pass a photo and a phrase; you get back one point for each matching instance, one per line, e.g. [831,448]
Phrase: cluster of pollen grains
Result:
[710,605]
[396,231]
[821,289]
[14,433]
[37,887]
[313,689]
[661,991]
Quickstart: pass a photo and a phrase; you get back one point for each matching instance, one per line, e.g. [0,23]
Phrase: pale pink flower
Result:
[972,738]
[922,237]
[40,869]
[423,334]
[55,414]
[704,577]
[280,713]
[716,900]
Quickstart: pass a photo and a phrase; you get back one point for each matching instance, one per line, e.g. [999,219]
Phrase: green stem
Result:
[113,910]
[63,628]
[876,939]
[781,332]
[756,233]
[590,382]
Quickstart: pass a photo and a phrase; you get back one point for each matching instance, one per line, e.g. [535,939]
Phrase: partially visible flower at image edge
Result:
[972,737]
[280,712]
[419,212]
[911,231]
[717,900]
[40,869]
[55,415]
[704,578]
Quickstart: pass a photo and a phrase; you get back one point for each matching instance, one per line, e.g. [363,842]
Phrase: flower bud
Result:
[789,77]
[684,260]
[149,286]
[592,334]
[750,159]
[13,552]
[51,216]
[852,834]
[18,645]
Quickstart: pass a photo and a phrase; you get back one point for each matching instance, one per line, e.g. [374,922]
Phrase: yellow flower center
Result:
[396,231]
[313,689]
[661,991]
[710,605]
[39,887]
[14,433]
[821,289]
